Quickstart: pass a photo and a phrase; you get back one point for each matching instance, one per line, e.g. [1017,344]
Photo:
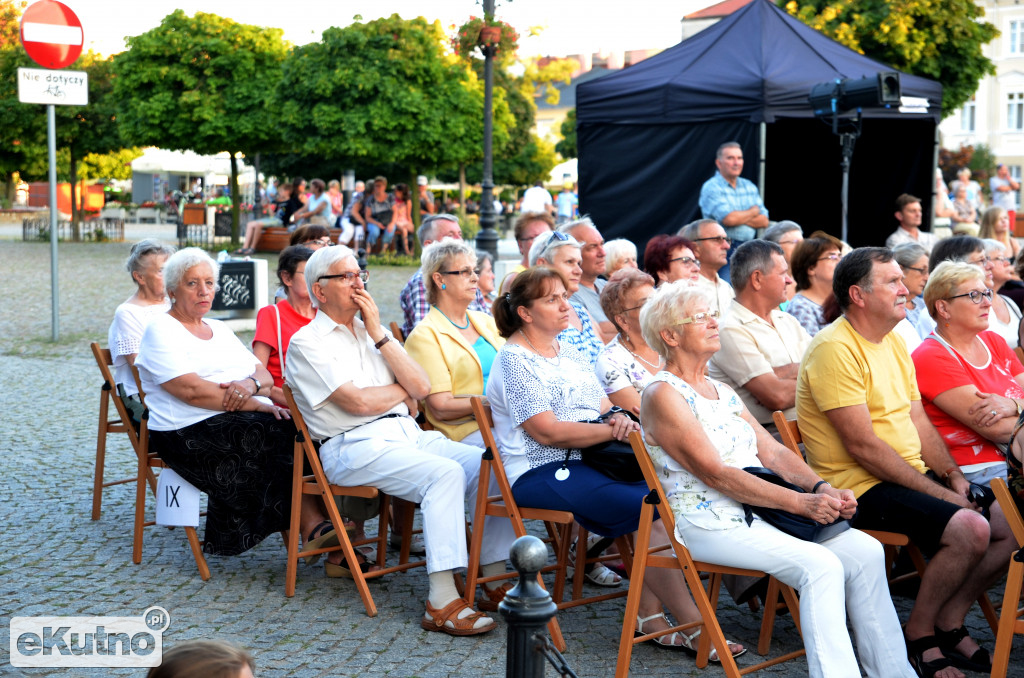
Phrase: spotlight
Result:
[880,91]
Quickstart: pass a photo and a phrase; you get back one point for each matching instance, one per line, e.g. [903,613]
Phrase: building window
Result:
[967,116]
[1017,37]
[1014,172]
[1015,110]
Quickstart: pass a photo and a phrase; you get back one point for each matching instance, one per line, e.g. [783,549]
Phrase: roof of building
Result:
[718,10]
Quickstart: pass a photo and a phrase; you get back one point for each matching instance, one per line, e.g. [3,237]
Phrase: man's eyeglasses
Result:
[687,261]
[720,238]
[464,272]
[700,318]
[975,295]
[348,278]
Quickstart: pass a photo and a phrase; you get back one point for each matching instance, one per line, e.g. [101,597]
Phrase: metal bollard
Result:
[526,609]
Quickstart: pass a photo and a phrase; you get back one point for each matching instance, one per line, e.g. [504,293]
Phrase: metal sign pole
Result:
[51,125]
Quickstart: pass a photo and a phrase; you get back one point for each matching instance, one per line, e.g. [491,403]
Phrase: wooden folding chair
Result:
[147,462]
[1010,621]
[122,424]
[316,484]
[789,429]
[397,332]
[647,555]
[558,523]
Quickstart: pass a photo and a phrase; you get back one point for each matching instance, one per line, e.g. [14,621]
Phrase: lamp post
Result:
[487,238]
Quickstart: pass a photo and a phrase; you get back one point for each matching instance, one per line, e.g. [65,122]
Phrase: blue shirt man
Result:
[731,200]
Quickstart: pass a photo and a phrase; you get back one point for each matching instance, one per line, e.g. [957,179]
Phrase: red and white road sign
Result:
[52,34]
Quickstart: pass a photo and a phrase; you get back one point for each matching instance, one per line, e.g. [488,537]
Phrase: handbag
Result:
[613,458]
[790,523]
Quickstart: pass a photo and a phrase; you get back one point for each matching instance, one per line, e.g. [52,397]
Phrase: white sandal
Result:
[599,574]
[689,644]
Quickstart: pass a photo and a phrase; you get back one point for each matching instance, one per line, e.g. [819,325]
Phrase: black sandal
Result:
[980,661]
[916,650]
[323,536]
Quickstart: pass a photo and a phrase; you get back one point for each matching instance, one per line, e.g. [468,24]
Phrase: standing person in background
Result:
[377,209]
[336,198]
[1004,192]
[426,197]
[537,199]
[568,204]
[401,220]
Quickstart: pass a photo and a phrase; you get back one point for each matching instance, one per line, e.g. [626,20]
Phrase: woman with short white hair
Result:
[619,253]
[145,264]
[561,252]
[1005,317]
[701,438]
[209,423]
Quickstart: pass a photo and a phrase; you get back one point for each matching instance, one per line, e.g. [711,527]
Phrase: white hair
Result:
[545,243]
[320,263]
[179,263]
[666,306]
[617,250]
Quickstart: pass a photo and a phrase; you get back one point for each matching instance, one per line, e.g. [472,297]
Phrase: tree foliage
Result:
[385,92]
[10,22]
[567,146]
[202,83]
[938,39]
[113,165]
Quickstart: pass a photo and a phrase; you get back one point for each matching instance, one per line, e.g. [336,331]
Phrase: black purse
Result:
[613,458]
[790,523]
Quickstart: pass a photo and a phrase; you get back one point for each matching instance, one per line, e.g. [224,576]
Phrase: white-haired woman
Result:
[454,345]
[561,252]
[207,422]
[619,253]
[913,260]
[145,264]
[1005,317]
[701,437]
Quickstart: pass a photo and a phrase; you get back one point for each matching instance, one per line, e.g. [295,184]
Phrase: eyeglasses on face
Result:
[687,261]
[980,262]
[635,308]
[464,272]
[975,295]
[700,318]
[922,271]
[833,256]
[322,242]
[347,278]
[1005,260]
[720,238]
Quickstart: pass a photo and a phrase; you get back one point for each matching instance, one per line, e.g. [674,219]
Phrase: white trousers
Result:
[848,567]
[426,468]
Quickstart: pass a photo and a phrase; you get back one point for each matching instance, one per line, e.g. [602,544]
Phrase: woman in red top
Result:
[971,382]
[275,324]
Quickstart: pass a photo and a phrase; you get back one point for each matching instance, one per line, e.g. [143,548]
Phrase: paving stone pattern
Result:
[54,560]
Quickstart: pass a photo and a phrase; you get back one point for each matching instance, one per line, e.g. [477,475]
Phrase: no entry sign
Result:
[52,34]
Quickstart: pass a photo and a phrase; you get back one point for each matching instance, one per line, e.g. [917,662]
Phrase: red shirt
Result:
[266,331]
[938,372]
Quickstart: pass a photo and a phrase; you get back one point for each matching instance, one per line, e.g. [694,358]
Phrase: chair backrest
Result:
[303,438]
[492,457]
[138,438]
[397,332]
[789,430]
[643,458]
[1009,506]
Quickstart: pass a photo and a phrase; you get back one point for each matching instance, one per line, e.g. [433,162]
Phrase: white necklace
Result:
[557,357]
[654,367]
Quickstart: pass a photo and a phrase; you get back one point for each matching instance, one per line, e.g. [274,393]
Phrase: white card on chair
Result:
[177,501]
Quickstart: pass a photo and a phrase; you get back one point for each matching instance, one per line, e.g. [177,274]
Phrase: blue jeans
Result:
[739,234]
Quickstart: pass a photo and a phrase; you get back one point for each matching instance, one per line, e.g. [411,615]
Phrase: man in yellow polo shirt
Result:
[864,428]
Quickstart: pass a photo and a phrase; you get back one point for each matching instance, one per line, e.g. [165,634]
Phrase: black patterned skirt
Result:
[243,462]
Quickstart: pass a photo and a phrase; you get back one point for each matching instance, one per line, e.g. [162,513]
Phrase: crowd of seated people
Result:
[561,374]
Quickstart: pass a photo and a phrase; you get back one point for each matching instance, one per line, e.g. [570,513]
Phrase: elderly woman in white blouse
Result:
[146,265]
[1005,317]
[701,437]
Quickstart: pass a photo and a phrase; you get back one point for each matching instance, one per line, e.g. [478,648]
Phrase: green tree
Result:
[10,22]
[567,146]
[203,83]
[113,165]
[385,92]
[938,40]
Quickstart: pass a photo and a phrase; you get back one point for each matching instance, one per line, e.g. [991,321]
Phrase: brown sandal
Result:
[492,597]
[439,620]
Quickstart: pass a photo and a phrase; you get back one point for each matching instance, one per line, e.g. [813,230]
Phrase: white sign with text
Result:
[61,88]
[177,500]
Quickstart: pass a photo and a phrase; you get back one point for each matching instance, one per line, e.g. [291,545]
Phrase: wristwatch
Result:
[258,385]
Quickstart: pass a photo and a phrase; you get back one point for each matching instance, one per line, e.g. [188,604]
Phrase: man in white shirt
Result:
[910,215]
[711,247]
[357,390]
[761,345]
[537,199]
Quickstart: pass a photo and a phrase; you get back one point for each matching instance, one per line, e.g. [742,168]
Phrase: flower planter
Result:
[490,35]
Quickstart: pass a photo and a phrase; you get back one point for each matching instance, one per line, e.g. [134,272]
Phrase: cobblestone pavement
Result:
[56,561]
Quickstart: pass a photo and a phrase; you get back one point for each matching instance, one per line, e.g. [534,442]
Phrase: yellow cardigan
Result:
[451,363]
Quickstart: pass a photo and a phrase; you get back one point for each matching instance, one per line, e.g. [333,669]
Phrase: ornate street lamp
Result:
[487,238]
